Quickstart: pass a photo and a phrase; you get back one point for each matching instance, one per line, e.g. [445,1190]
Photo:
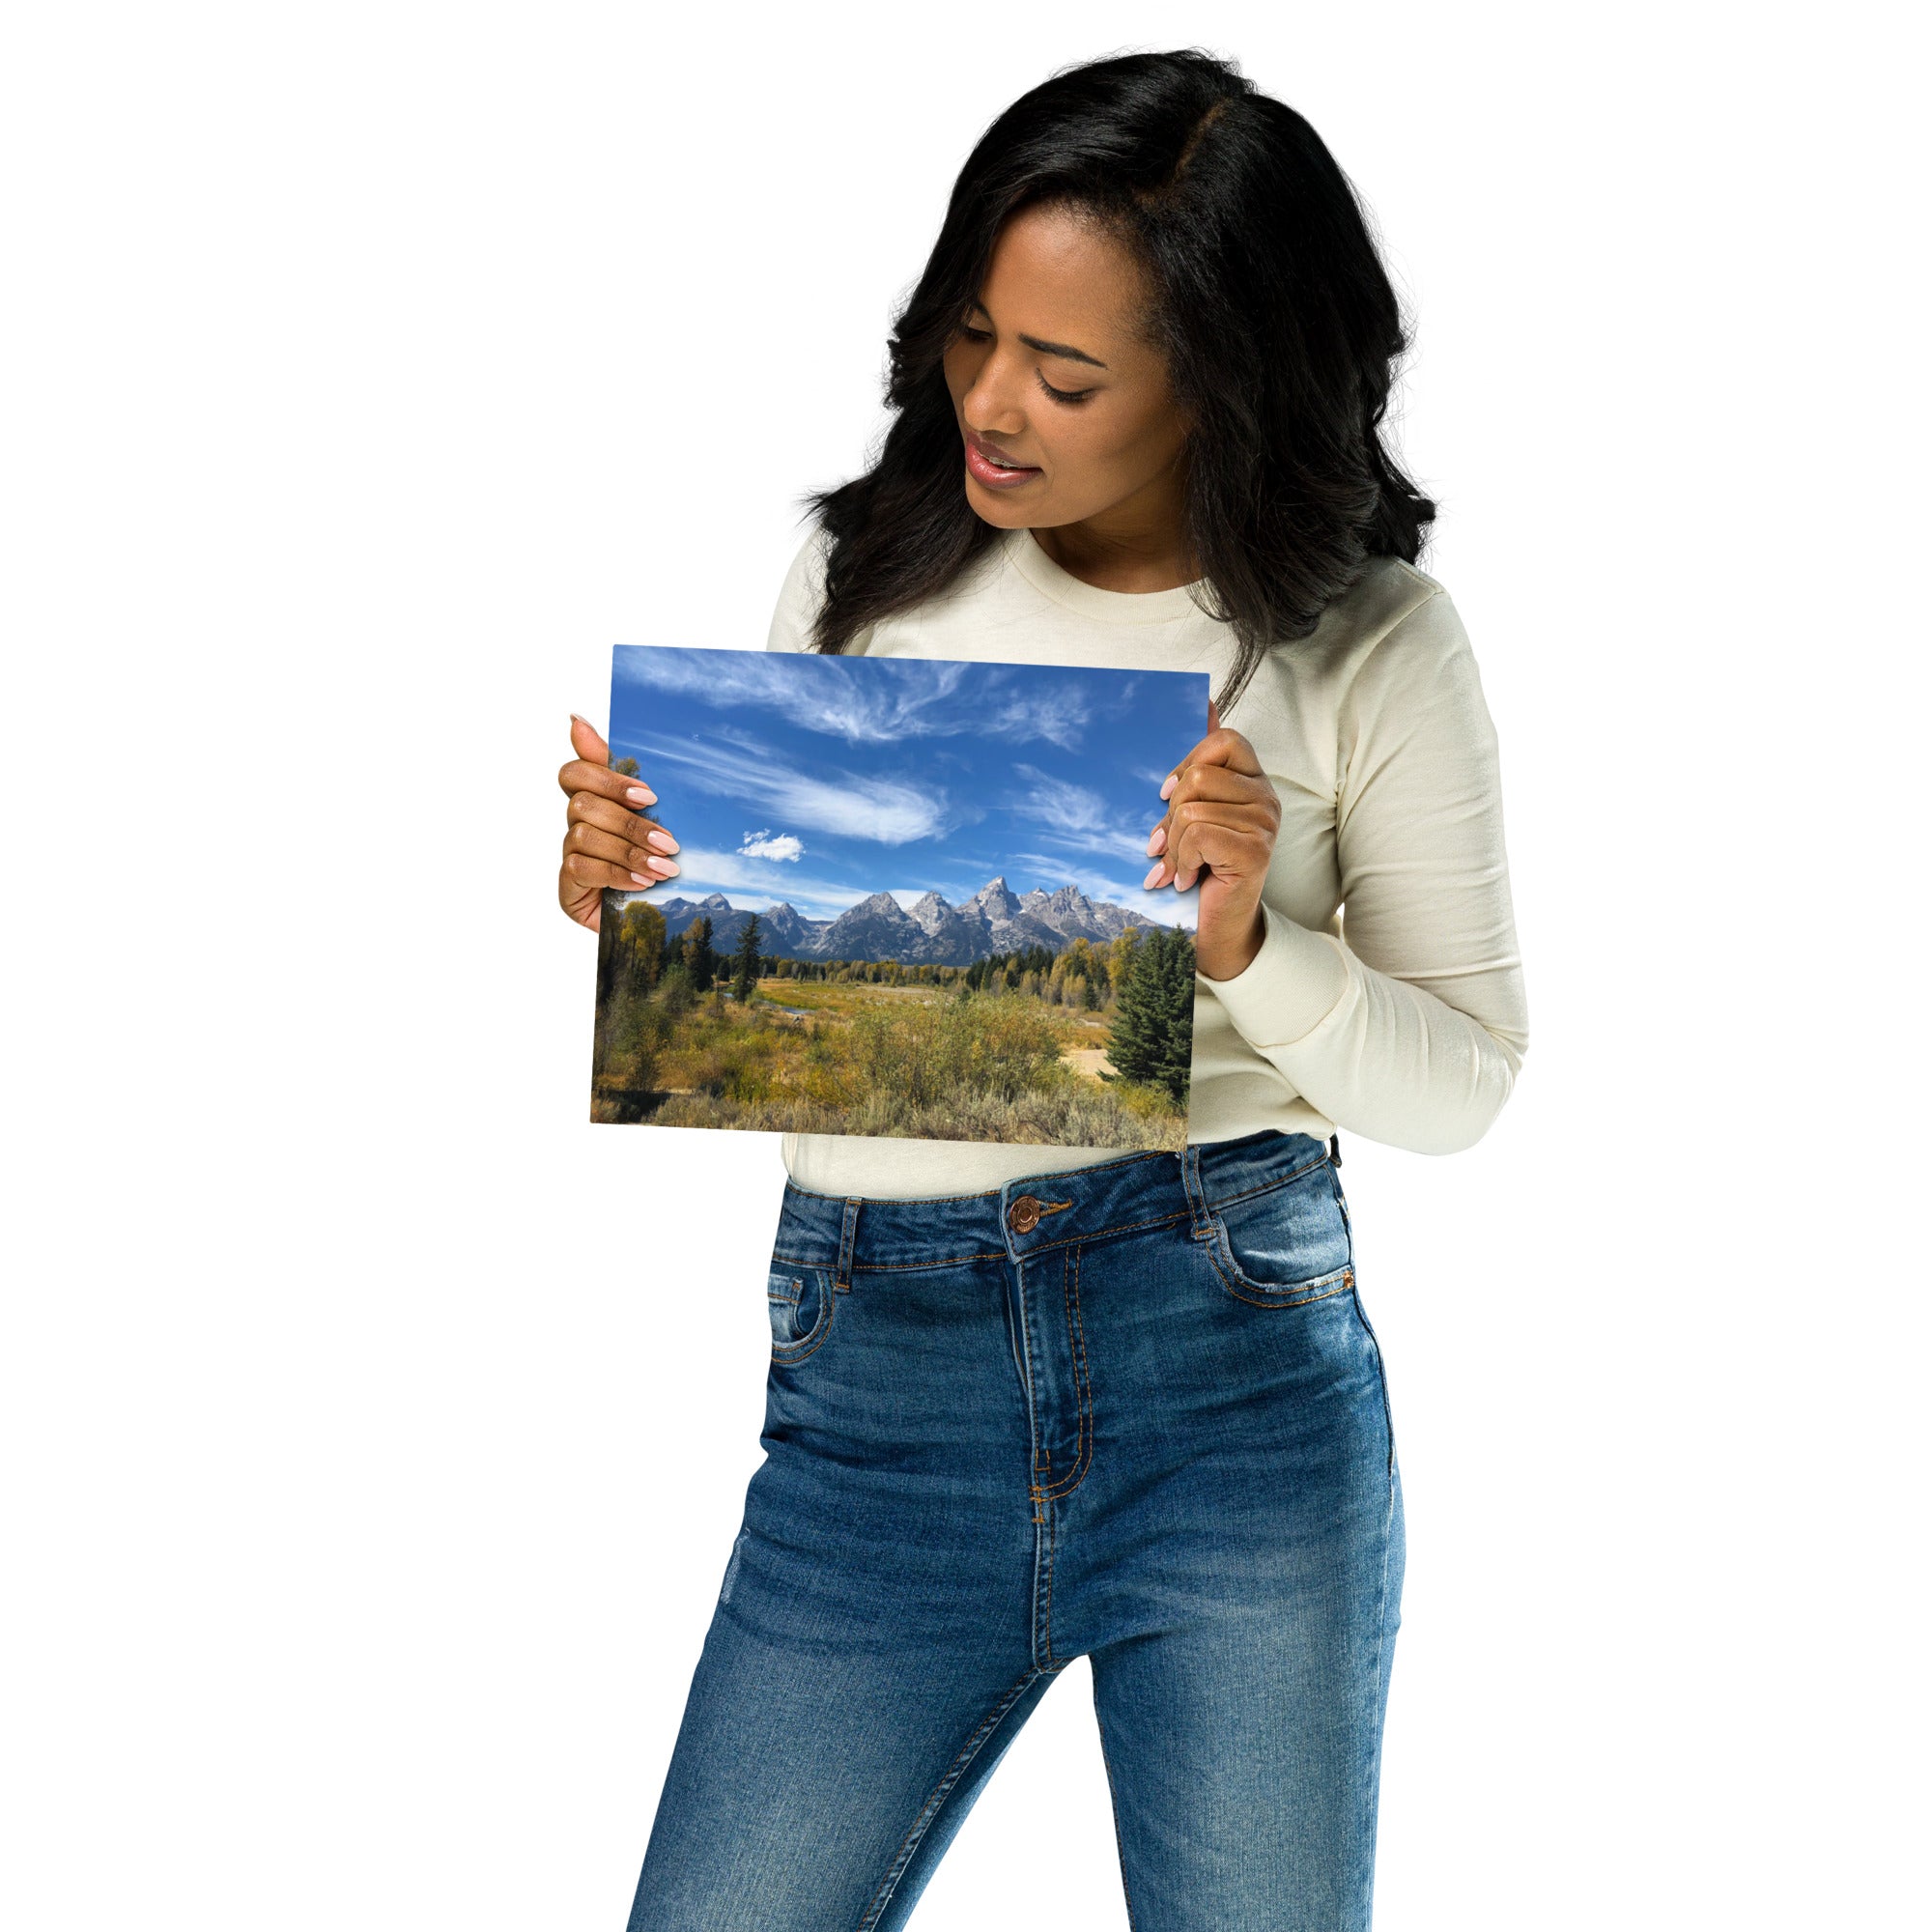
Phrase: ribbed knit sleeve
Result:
[1410,1027]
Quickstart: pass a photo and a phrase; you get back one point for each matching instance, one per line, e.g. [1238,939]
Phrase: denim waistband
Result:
[1033,1213]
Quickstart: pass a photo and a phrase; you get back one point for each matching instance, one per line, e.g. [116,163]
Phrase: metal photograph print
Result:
[908,902]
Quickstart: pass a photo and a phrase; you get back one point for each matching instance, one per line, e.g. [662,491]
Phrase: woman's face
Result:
[1046,372]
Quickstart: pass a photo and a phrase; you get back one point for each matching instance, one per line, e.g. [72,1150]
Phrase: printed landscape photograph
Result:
[909,900]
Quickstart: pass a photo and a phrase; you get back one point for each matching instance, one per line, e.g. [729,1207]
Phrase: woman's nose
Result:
[990,407]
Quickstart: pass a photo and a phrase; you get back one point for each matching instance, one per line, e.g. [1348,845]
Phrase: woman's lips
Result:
[996,475]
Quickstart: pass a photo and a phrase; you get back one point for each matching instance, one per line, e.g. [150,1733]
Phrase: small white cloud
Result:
[762,845]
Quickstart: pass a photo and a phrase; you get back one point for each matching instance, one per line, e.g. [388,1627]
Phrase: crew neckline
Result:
[1110,606]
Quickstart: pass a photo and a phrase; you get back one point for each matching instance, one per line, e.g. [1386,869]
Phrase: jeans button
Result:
[1023,1217]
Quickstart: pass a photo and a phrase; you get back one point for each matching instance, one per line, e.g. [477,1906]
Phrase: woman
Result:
[1029,1404]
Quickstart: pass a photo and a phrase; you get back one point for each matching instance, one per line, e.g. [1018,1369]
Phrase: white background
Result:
[374,1430]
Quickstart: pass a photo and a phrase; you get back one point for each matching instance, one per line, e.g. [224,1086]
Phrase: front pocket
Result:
[1285,1243]
[801,1301]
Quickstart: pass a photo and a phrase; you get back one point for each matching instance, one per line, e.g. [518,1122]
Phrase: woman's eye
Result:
[971,334]
[1065,395]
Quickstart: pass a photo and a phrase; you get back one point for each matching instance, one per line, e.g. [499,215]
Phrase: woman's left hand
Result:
[1222,817]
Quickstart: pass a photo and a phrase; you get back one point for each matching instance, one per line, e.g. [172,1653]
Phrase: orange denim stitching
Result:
[1083,1455]
[1117,1228]
[887,1267]
[816,1338]
[1243,1293]
[1249,1193]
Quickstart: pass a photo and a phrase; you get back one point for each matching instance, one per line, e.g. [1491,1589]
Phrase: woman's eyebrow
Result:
[1071,353]
[1061,348]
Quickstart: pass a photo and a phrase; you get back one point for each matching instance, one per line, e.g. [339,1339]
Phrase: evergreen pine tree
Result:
[697,953]
[1133,1045]
[1177,1004]
[1152,1035]
[745,962]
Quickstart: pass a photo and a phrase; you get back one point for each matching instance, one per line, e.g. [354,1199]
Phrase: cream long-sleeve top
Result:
[1387,996]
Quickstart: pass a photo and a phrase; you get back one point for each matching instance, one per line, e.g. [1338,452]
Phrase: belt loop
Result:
[842,1275]
[1197,1197]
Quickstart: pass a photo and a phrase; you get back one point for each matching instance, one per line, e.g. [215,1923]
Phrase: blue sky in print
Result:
[785,775]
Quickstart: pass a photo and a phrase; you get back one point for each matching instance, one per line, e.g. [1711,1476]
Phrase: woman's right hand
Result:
[610,844]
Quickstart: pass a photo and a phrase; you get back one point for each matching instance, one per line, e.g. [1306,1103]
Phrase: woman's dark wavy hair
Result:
[1269,303]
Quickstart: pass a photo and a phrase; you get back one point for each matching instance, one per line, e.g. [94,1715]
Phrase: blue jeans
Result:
[1134,1413]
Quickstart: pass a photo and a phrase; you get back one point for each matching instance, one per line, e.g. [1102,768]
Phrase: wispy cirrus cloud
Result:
[880,703]
[1075,818]
[1060,715]
[1057,801]
[1114,844]
[882,810]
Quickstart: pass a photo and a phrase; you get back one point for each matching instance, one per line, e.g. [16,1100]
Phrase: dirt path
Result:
[1088,1060]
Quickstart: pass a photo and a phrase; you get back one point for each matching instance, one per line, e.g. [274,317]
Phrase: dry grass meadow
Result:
[804,1056]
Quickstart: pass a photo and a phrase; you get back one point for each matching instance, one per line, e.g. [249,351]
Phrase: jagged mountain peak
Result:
[994,919]
[931,912]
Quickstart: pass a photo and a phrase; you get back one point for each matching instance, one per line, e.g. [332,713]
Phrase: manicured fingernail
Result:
[1154,874]
[577,718]
[643,879]
[664,867]
[662,841]
[1169,786]
[641,795]
[1158,839]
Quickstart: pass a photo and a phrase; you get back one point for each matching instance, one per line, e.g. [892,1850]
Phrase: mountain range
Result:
[994,919]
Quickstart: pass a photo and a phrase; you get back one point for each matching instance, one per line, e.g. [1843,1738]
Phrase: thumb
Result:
[1214,716]
[586,743]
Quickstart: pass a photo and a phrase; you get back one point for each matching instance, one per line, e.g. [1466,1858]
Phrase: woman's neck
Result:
[1108,565]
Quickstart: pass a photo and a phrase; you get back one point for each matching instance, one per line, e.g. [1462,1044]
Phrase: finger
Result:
[1220,747]
[1164,874]
[1235,848]
[1217,782]
[587,873]
[585,742]
[579,775]
[587,807]
[1222,792]
[645,864]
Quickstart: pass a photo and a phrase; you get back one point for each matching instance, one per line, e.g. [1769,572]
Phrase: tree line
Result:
[637,953]
[1145,977]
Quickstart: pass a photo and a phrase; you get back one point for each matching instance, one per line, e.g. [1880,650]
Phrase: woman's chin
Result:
[997,507]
